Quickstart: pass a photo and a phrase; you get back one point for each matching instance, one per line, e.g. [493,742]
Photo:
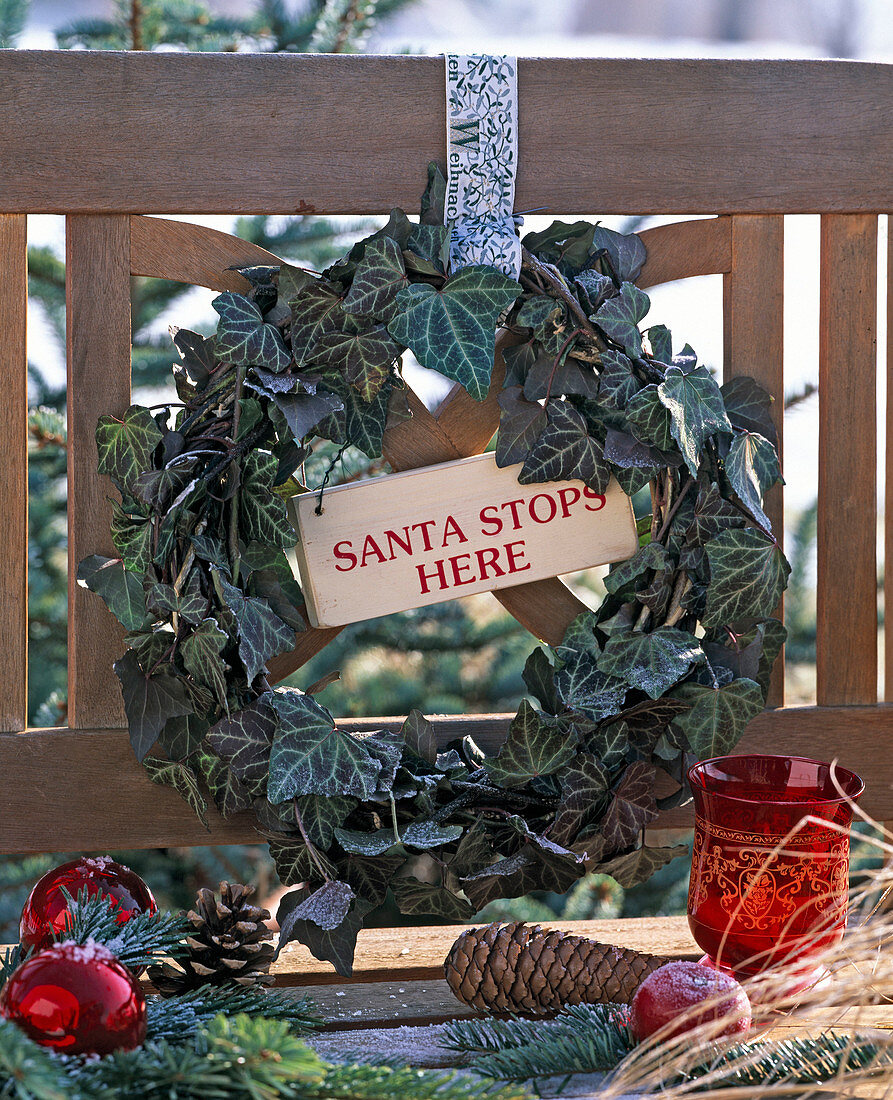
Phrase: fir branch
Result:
[11,959]
[582,1038]
[791,1062]
[27,1071]
[136,942]
[178,1019]
[377,1082]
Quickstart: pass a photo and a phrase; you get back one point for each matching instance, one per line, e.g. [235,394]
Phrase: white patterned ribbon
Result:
[482,161]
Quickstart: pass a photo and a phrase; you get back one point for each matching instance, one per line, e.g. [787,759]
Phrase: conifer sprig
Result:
[136,942]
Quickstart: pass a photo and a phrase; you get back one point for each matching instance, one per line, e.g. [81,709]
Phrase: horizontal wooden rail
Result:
[87,132]
[78,789]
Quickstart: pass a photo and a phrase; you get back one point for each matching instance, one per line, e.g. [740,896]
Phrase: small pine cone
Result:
[519,968]
[227,944]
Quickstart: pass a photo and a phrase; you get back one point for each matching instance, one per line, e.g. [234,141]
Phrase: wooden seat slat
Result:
[45,807]
[14,463]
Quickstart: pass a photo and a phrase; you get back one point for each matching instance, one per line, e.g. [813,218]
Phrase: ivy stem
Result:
[394,817]
[676,503]
[314,855]
[554,281]
[233,535]
[677,611]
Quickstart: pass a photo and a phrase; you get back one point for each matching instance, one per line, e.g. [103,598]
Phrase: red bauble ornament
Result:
[45,913]
[673,991]
[77,999]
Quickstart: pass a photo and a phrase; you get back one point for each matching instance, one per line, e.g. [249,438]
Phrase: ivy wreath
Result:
[671,667]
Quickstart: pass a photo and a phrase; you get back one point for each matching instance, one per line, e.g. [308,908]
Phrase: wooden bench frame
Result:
[105,138]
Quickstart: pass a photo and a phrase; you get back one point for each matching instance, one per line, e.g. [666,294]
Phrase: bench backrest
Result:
[108,138]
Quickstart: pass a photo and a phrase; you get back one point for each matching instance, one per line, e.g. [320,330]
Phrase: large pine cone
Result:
[519,968]
[227,944]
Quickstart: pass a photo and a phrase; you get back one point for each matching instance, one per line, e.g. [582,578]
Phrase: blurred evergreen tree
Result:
[13,14]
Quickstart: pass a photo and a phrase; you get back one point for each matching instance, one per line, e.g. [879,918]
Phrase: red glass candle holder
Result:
[770,860]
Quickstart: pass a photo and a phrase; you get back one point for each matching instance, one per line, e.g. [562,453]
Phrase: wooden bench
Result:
[108,138]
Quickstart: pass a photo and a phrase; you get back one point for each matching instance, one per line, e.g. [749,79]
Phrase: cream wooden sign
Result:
[420,537]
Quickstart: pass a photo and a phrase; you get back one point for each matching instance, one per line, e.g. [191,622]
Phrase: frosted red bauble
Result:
[77,999]
[674,991]
[44,916]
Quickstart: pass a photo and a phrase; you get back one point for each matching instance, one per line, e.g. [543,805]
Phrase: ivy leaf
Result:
[326,908]
[539,679]
[536,745]
[295,864]
[262,514]
[378,277]
[622,579]
[125,446]
[594,289]
[122,590]
[649,418]
[364,357]
[566,451]
[184,781]
[619,317]
[567,244]
[625,251]
[752,468]
[640,865]
[537,310]
[416,898]
[718,716]
[272,580]
[429,243]
[244,740]
[610,745]
[773,634]
[453,330]
[712,515]
[262,634]
[358,422]
[230,795]
[242,336]
[546,378]
[157,488]
[370,879]
[629,453]
[632,807]
[583,687]
[748,407]
[418,733]
[196,352]
[583,786]
[201,657]
[580,635]
[424,833]
[696,410]
[520,424]
[431,211]
[357,842]
[651,661]
[149,701]
[336,946]
[182,735]
[292,280]
[311,756]
[303,411]
[321,816]
[748,573]
[132,536]
[315,312]
[616,383]
[661,340]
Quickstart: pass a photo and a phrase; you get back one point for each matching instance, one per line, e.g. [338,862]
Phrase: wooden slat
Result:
[754,345]
[684,249]
[98,318]
[101,132]
[45,810]
[888,481]
[846,589]
[417,954]
[195,254]
[14,483]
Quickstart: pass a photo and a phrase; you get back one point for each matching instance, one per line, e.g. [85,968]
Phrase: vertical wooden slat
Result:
[846,589]
[888,482]
[14,483]
[753,339]
[98,303]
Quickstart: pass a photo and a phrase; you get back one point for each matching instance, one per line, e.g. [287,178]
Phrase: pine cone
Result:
[226,946]
[518,968]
